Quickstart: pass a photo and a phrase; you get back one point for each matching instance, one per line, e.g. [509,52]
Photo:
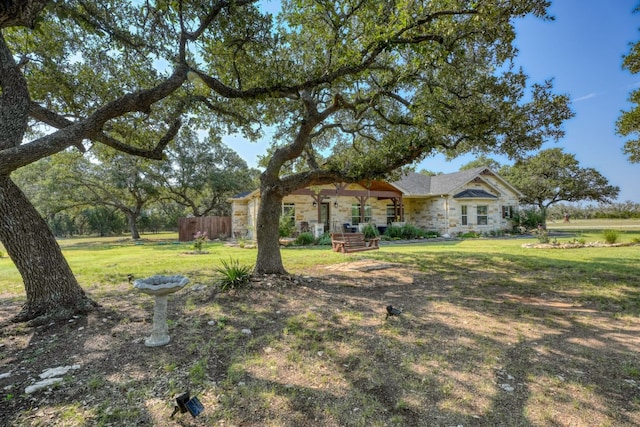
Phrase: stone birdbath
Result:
[160,287]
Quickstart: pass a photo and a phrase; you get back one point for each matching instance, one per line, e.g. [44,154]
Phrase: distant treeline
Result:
[102,222]
[626,210]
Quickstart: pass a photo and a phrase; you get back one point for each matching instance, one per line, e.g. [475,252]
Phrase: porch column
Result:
[362,200]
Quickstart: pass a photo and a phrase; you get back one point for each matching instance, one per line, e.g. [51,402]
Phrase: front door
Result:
[324,216]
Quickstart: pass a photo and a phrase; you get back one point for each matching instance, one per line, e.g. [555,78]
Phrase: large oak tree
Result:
[553,176]
[75,74]
[357,89]
[201,173]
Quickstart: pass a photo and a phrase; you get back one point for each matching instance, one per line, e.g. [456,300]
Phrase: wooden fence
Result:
[214,226]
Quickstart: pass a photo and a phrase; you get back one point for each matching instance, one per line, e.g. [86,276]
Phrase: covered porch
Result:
[345,207]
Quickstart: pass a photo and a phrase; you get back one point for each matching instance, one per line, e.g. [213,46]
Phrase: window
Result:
[507,212]
[463,215]
[391,214]
[355,213]
[289,211]
[482,215]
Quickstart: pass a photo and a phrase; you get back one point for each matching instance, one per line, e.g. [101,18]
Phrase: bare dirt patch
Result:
[315,350]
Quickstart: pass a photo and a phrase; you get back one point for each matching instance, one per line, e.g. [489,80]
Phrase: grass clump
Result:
[611,236]
[233,275]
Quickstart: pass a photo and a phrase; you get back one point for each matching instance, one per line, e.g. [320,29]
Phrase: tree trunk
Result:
[135,235]
[269,259]
[543,213]
[51,288]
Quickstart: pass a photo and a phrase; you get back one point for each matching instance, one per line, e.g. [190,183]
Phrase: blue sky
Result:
[582,51]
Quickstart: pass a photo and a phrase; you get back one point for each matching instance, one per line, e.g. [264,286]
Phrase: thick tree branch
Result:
[14,99]
[92,127]
[20,13]
[367,59]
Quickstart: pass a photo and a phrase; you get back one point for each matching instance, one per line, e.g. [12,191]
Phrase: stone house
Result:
[472,200]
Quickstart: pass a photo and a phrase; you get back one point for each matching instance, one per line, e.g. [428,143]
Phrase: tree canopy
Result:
[380,85]
[482,160]
[552,176]
[200,174]
[86,74]
[354,88]
[628,123]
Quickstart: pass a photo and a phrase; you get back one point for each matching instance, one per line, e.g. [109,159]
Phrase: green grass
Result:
[106,262]
[103,263]
[476,312]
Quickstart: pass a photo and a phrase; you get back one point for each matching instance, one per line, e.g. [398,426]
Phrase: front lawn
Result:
[491,334]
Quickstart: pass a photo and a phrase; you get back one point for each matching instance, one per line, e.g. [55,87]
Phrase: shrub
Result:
[325,239]
[469,235]
[611,236]
[370,231]
[286,227]
[233,275]
[304,239]
[411,232]
[543,236]
[408,232]
[527,218]
[394,232]
[199,239]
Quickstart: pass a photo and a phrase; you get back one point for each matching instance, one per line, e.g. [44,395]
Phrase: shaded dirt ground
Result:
[316,350]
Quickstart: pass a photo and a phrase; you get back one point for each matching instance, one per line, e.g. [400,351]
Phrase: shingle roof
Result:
[413,184]
[241,195]
[416,184]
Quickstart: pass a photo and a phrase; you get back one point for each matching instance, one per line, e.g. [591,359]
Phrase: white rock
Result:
[59,371]
[246,331]
[42,384]
[5,375]
[506,387]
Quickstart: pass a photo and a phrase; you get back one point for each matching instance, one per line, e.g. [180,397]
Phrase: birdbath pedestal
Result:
[160,287]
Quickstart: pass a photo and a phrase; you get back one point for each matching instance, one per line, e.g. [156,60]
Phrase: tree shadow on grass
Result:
[319,352]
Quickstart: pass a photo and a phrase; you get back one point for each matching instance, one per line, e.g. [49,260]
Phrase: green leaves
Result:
[552,176]
[233,275]
[628,123]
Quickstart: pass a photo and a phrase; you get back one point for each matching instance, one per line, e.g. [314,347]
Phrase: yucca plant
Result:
[233,275]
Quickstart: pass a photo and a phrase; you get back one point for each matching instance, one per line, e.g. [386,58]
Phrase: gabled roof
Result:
[474,194]
[416,184]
